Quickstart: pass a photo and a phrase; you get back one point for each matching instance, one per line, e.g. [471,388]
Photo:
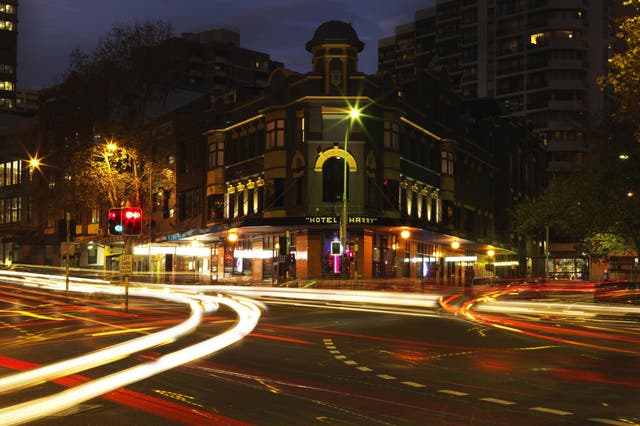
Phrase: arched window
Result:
[333,179]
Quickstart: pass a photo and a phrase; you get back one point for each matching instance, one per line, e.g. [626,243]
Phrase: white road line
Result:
[350,362]
[386,376]
[414,384]
[341,357]
[551,411]
[609,421]
[334,352]
[452,392]
[498,401]
[329,341]
[330,347]
[364,369]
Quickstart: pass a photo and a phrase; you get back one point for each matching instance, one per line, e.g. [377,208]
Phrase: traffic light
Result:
[291,258]
[115,221]
[131,221]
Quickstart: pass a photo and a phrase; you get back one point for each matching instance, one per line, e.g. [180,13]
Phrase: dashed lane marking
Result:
[414,384]
[498,401]
[609,421]
[551,411]
[452,392]
[364,369]
[351,362]
[341,357]
[386,376]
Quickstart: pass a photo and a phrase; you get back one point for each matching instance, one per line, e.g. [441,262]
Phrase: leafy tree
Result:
[116,173]
[624,68]
[133,69]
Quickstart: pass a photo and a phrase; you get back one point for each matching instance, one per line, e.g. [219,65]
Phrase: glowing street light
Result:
[354,114]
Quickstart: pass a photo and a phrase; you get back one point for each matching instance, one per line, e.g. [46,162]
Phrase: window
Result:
[300,128]
[447,163]
[95,215]
[215,207]
[334,126]
[333,180]
[275,134]
[391,135]
[7,8]
[10,210]
[216,154]
[7,26]
[6,85]
[190,203]
[10,173]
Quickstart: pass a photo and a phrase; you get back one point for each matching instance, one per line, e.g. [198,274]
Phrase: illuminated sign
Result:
[313,220]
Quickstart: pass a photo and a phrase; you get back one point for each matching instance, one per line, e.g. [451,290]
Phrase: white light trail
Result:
[248,314]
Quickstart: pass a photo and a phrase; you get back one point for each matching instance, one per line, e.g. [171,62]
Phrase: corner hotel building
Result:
[277,169]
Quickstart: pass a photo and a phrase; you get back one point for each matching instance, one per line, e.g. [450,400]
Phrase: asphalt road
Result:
[312,365]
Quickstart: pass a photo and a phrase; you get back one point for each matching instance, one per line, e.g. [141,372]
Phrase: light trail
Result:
[109,354]
[248,313]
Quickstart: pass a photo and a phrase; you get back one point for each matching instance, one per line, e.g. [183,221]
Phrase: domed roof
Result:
[335,32]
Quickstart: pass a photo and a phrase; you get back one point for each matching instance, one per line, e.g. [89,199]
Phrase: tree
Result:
[132,69]
[623,77]
[596,205]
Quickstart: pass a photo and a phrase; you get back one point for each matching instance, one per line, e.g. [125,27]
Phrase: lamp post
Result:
[354,114]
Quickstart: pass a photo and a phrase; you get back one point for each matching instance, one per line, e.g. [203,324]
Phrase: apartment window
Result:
[6,69]
[10,173]
[10,210]
[7,8]
[447,163]
[190,203]
[7,26]
[216,154]
[6,85]
[275,134]
[391,135]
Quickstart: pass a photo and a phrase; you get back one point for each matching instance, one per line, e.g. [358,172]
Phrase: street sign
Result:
[69,248]
[126,264]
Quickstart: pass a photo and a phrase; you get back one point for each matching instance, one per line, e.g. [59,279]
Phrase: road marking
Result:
[350,362]
[452,392]
[341,357]
[364,369]
[330,341]
[551,411]
[334,352]
[330,347]
[498,401]
[414,384]
[386,376]
[609,421]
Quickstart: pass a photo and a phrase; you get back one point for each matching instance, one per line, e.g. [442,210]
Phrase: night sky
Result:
[48,30]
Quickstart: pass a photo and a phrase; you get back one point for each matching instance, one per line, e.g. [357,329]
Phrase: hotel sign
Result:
[330,220]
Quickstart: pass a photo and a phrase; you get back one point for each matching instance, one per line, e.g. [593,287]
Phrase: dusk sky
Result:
[48,30]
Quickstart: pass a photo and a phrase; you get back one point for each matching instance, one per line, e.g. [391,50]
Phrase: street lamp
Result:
[354,114]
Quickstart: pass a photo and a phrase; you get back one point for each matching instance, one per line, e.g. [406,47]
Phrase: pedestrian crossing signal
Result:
[336,248]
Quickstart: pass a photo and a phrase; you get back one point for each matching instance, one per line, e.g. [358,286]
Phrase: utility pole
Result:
[67,247]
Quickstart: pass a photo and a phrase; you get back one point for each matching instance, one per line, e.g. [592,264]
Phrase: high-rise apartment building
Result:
[8,52]
[538,58]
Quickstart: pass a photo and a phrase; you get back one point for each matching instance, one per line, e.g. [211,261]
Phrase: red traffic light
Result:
[131,221]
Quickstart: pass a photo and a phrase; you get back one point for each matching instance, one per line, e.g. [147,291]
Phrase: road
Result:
[335,365]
